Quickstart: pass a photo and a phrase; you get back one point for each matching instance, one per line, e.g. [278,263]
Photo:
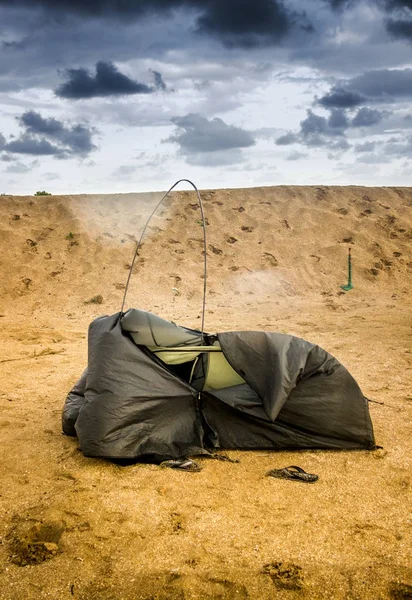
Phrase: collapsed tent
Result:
[153,390]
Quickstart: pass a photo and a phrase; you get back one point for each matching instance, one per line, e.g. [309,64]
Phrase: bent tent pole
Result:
[139,243]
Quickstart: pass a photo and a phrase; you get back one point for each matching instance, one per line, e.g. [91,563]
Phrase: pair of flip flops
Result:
[295,473]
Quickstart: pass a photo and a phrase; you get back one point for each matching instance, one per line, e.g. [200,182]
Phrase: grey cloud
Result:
[75,139]
[383,84]
[35,123]
[372,159]
[29,145]
[317,131]
[401,149]
[266,133]
[398,4]
[253,23]
[340,4]
[366,117]
[196,134]
[124,171]
[19,167]
[400,28]
[338,119]
[219,158]
[341,145]
[365,147]
[159,82]
[108,81]
[315,125]
[339,97]
[385,152]
[287,139]
[399,21]
[2,141]
[50,137]
[51,176]
[296,155]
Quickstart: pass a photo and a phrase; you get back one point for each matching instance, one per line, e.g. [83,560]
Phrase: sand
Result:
[74,527]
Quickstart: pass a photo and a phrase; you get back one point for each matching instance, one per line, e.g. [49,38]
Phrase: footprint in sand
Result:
[177,523]
[39,543]
[287,576]
[270,259]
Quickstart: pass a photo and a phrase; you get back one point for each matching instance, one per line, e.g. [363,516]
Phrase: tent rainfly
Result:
[154,391]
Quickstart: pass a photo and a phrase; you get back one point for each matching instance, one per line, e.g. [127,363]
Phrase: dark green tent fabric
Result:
[130,405]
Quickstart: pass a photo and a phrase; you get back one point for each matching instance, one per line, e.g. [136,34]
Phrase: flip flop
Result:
[184,464]
[223,457]
[293,472]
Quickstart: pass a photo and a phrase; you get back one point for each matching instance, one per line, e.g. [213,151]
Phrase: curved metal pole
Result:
[139,243]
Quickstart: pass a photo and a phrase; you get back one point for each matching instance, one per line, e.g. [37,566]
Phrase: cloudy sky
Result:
[131,95]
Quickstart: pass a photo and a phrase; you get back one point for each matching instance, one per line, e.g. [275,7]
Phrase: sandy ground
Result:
[277,257]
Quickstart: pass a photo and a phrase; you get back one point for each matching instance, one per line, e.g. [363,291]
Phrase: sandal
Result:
[223,457]
[184,464]
[293,472]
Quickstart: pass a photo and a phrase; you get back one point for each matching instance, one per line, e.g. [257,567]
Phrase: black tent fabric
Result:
[129,404]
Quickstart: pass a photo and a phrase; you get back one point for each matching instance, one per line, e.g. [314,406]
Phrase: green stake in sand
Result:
[349,285]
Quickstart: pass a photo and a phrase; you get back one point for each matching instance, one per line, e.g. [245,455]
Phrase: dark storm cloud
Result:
[340,97]
[366,117]
[237,23]
[126,9]
[400,28]
[108,81]
[29,145]
[341,4]
[35,123]
[398,4]
[245,23]
[76,139]
[196,134]
[50,137]
[383,84]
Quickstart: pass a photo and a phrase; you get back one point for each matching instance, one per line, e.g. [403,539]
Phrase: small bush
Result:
[95,300]
[69,236]
[43,193]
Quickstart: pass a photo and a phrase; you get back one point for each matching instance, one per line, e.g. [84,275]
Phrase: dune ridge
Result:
[262,242]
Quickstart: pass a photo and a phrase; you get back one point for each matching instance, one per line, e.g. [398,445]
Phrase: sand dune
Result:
[276,259]
[262,242]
